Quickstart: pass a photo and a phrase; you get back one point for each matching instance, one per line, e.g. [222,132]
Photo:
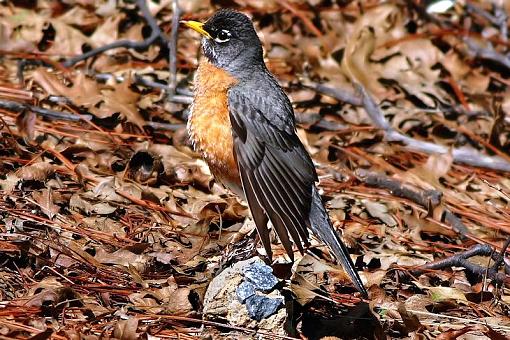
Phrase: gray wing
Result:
[277,173]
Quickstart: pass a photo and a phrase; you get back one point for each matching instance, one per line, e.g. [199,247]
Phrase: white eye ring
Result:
[223,36]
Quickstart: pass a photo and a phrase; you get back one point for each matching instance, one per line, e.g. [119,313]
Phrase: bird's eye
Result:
[222,36]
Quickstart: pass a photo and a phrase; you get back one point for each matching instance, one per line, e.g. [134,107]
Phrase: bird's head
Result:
[229,40]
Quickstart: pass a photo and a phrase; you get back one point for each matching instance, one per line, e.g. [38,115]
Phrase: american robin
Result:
[243,124]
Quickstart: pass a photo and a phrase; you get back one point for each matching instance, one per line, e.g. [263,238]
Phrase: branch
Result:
[501,258]
[498,19]
[343,95]
[165,126]
[183,96]
[19,107]
[176,98]
[462,155]
[426,198]
[461,260]
[172,48]
[490,54]
[155,34]
[69,116]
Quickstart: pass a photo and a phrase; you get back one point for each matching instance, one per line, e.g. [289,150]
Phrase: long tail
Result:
[323,229]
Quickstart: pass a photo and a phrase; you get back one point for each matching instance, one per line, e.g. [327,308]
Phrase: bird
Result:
[243,124]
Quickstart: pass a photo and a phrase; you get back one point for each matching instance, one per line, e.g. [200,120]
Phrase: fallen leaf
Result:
[126,329]
[45,200]
[439,294]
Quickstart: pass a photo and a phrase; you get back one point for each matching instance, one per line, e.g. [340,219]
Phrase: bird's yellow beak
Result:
[196,26]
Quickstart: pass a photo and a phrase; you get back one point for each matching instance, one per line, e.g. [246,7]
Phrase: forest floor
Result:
[111,226]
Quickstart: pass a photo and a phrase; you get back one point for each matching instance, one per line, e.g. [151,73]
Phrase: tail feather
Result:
[321,226]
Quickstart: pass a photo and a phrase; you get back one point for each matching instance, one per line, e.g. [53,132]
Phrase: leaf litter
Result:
[112,226]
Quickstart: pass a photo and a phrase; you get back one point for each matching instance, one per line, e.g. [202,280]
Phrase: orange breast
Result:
[209,123]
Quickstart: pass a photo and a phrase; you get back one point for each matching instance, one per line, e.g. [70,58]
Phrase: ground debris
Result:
[111,226]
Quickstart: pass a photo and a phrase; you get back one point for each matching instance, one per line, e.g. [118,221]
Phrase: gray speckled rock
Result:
[260,307]
[221,301]
[244,291]
[261,276]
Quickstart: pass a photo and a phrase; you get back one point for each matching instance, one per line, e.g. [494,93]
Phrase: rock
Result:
[244,291]
[260,307]
[222,302]
[261,275]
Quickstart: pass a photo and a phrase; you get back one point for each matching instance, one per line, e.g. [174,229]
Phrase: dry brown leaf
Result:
[120,99]
[45,200]
[107,33]
[36,172]
[20,29]
[103,101]
[380,211]
[68,40]
[123,257]
[25,122]
[413,69]
[303,289]
[437,166]
[126,329]
[83,92]
[356,64]
[438,294]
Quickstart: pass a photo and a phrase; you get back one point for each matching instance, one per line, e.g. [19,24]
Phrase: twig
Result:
[69,116]
[461,260]
[176,98]
[426,198]
[463,155]
[499,18]
[165,126]
[13,93]
[455,222]
[373,111]
[343,95]
[183,96]
[156,34]
[172,49]
[19,107]
[139,80]
[478,51]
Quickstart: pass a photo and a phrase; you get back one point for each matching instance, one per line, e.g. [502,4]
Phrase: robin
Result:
[243,124]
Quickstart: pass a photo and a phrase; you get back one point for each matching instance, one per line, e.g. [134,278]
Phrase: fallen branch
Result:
[19,107]
[183,96]
[69,116]
[465,156]
[487,53]
[343,95]
[165,126]
[461,260]
[426,198]
[156,34]
[499,261]
[172,49]
[460,155]
[499,18]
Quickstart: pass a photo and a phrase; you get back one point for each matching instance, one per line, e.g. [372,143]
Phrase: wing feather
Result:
[257,211]
[277,173]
